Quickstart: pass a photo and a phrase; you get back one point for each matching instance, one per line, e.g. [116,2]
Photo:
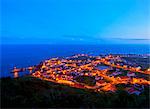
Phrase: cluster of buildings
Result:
[108,71]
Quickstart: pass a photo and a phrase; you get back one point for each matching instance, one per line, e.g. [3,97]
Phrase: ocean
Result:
[28,55]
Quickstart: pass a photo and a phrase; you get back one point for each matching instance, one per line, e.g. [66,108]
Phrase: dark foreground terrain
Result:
[32,92]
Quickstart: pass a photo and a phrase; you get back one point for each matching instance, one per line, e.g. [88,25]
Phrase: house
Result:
[111,61]
[139,87]
[133,91]
[37,74]
[97,78]
[100,82]
[130,74]
[124,78]
[147,71]
[117,69]
[46,75]
[109,87]
[138,68]
[116,73]
[111,68]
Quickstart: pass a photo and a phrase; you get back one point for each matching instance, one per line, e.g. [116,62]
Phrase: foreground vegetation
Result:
[33,92]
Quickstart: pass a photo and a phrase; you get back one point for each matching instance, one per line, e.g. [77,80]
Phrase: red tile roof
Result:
[124,77]
[101,81]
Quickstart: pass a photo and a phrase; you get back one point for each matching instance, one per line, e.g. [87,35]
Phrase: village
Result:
[98,73]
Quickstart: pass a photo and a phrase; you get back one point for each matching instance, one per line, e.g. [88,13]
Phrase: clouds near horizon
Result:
[75,21]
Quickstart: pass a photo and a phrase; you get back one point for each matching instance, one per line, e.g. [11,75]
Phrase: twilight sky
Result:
[75,21]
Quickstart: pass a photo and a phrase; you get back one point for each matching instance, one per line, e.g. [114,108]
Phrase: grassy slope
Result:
[32,92]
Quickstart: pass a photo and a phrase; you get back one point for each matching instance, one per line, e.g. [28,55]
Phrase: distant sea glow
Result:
[27,55]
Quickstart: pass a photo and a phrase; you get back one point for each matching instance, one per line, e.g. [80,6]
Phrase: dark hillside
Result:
[32,92]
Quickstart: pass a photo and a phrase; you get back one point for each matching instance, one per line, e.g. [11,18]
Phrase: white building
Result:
[130,74]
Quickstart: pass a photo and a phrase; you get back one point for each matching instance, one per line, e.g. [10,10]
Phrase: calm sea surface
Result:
[27,55]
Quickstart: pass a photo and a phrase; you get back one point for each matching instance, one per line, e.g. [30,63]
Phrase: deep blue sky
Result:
[75,21]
